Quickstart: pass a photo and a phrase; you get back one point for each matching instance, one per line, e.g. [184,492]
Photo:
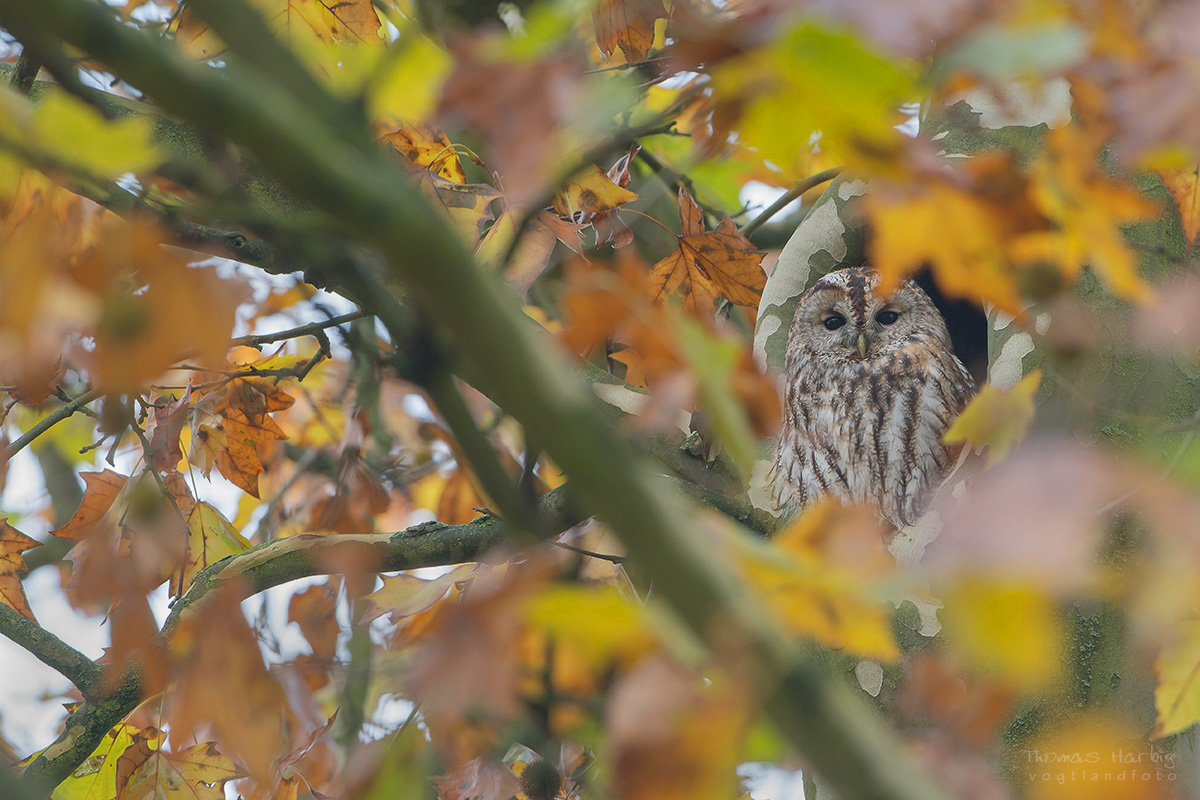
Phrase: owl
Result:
[871,385]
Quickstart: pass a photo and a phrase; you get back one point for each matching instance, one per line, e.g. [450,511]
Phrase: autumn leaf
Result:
[602,625]
[96,777]
[428,148]
[591,191]
[628,25]
[1010,628]
[467,207]
[404,595]
[1184,186]
[1177,693]
[100,492]
[215,650]
[531,256]
[228,426]
[347,20]
[816,576]
[12,564]
[708,265]
[77,133]
[673,735]
[199,772]
[314,611]
[163,428]
[211,537]
[997,418]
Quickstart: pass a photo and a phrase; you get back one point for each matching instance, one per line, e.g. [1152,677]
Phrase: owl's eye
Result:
[834,322]
[887,317]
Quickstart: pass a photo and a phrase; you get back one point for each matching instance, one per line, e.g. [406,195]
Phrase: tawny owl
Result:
[871,384]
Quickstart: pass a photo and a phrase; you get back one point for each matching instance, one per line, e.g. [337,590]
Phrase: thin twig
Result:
[49,422]
[589,553]
[791,194]
[303,330]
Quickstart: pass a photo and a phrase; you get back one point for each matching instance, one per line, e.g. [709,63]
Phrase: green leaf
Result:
[79,135]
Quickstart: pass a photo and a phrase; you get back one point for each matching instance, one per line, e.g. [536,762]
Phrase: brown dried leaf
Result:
[478,779]
[708,266]
[12,564]
[628,25]
[101,490]
[314,610]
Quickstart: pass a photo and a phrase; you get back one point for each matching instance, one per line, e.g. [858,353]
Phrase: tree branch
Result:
[791,194]
[49,422]
[51,651]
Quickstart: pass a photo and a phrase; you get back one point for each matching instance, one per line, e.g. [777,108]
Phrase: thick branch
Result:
[363,191]
[50,650]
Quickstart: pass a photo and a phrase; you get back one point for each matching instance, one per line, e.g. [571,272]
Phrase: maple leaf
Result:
[163,428]
[1184,185]
[100,492]
[429,148]
[12,564]
[997,418]
[708,265]
[347,20]
[591,191]
[228,426]
[404,595]
[199,772]
[627,24]
[671,735]
[211,537]
[1006,627]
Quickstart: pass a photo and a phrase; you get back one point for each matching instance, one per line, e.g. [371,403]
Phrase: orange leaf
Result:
[627,24]
[1184,186]
[314,610]
[216,650]
[12,564]
[427,147]
[707,266]
[102,489]
[238,460]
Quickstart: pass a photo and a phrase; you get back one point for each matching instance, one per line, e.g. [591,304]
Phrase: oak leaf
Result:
[12,564]
[628,25]
[708,265]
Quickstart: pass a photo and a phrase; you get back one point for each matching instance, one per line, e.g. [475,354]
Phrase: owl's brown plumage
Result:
[871,384]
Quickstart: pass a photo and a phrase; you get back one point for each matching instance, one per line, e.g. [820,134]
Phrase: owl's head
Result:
[841,316]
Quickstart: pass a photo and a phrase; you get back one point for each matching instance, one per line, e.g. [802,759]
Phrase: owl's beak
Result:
[862,345]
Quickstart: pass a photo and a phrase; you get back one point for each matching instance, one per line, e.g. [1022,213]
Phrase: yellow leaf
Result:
[812,81]
[1177,668]
[997,418]
[412,85]
[628,25]
[96,778]
[348,20]
[1010,629]
[599,622]
[428,148]
[211,537]
[467,206]
[817,577]
[198,772]
[73,131]
[591,191]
